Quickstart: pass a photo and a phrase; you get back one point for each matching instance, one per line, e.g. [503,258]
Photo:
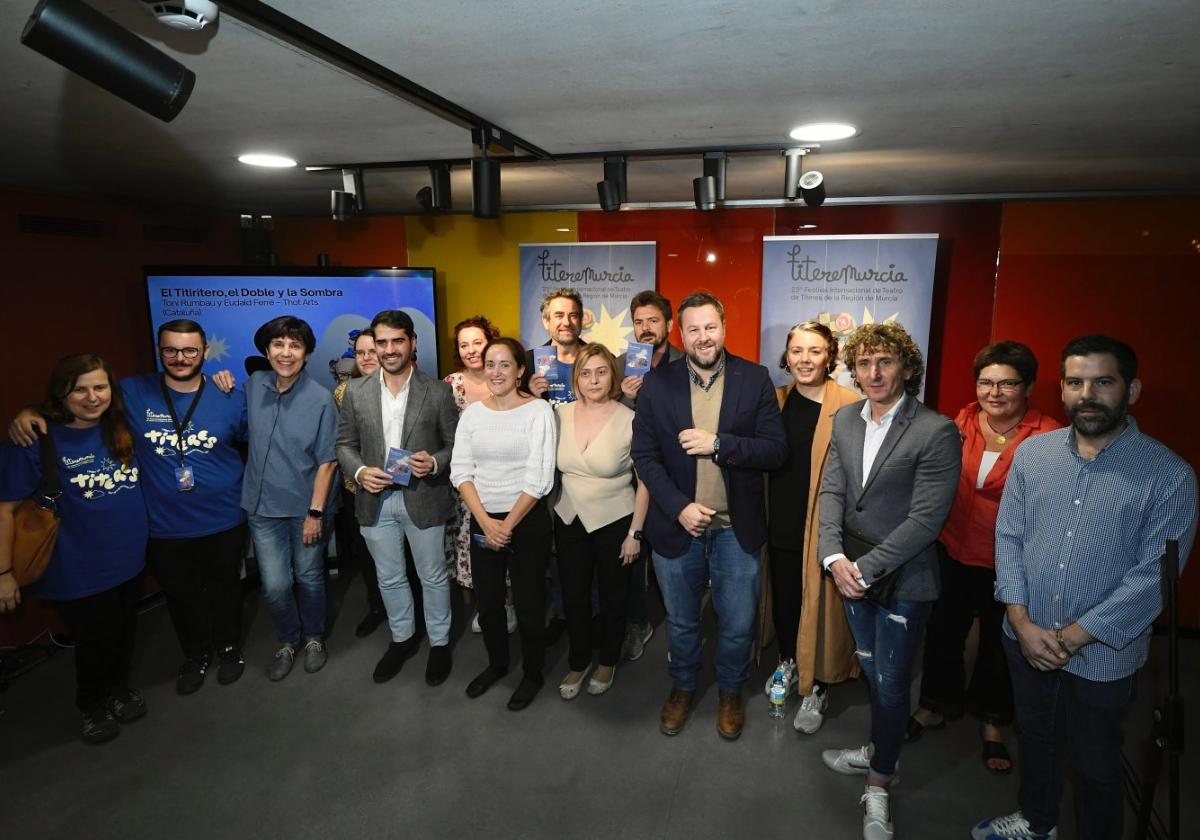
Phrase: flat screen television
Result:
[232,303]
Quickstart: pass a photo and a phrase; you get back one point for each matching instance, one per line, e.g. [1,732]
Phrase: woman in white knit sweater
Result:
[598,516]
[503,466]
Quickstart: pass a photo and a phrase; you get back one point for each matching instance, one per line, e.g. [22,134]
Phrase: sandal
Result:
[916,729]
[996,751]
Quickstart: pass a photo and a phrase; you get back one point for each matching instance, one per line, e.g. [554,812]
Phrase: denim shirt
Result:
[291,434]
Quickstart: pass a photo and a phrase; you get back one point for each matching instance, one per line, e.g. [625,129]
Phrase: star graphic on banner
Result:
[218,348]
[89,494]
[612,332]
[158,450]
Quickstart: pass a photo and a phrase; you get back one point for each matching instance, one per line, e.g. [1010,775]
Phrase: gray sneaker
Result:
[282,664]
[636,636]
[314,656]
[811,713]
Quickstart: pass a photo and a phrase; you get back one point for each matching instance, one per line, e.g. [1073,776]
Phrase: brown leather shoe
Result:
[731,715]
[675,711]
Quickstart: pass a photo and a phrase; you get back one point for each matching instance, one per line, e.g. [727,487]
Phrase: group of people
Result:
[848,528]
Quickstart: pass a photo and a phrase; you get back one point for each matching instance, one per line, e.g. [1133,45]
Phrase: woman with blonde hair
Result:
[598,515]
[816,648]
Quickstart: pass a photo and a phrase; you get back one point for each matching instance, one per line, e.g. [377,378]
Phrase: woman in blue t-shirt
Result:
[95,571]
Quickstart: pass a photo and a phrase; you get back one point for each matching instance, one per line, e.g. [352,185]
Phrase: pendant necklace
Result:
[1001,437]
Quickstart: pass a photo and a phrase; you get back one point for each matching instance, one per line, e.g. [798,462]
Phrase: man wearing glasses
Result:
[184,435]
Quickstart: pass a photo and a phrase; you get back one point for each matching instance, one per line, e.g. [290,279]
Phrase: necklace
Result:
[1001,437]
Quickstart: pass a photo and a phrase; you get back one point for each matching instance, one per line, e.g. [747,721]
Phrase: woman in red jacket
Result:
[992,428]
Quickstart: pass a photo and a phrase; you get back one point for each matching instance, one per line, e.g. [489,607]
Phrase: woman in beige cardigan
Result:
[815,645]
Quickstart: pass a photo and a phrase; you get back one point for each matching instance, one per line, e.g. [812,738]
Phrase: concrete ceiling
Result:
[952,98]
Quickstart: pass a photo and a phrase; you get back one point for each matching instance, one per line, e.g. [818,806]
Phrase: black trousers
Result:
[582,557]
[967,591]
[103,626]
[353,551]
[1064,717]
[787,594]
[201,577]
[524,560]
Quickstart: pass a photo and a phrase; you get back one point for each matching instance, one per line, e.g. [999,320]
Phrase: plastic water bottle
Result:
[778,696]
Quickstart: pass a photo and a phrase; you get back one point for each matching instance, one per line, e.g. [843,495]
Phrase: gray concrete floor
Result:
[333,755]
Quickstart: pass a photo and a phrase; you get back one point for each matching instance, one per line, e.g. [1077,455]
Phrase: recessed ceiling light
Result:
[563,230]
[260,159]
[711,257]
[805,227]
[818,132]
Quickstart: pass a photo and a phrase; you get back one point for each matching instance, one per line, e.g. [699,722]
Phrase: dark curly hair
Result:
[490,331]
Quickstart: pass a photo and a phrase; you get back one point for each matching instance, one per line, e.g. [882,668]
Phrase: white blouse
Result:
[505,453]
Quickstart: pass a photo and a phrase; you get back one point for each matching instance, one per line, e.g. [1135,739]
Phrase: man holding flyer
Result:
[395,438]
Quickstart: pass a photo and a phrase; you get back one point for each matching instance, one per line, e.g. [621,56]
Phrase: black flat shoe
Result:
[523,696]
[995,751]
[393,659]
[486,679]
[554,631]
[438,667]
[916,729]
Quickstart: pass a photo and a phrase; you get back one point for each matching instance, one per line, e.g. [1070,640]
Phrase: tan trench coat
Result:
[824,645]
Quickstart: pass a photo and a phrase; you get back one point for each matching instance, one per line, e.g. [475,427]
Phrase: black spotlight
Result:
[793,160]
[342,205]
[812,187]
[704,189]
[714,165]
[436,197]
[485,188]
[610,195]
[93,46]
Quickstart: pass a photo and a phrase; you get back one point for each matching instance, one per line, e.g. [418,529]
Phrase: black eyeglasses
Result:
[1008,386]
[189,353]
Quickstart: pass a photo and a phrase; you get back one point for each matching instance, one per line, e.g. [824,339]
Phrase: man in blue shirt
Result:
[1083,523]
[185,436]
[562,316]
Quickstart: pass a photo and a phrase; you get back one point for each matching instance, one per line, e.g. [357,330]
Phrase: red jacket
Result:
[969,534]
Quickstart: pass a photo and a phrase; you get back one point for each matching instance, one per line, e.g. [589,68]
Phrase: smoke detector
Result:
[189,15]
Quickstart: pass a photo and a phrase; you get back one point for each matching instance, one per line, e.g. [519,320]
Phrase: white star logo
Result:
[610,331]
[218,348]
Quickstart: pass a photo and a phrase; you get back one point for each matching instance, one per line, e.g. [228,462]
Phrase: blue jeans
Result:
[1061,715]
[716,557]
[385,540]
[885,642]
[284,559]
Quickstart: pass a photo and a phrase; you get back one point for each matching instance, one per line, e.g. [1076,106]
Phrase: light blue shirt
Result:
[1080,541]
[291,434]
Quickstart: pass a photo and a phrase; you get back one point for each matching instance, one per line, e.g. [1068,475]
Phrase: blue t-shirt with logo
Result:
[218,423]
[102,527]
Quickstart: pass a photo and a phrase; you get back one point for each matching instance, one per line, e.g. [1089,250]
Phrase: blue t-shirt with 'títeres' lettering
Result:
[218,423]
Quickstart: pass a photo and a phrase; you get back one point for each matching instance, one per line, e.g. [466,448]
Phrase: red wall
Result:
[71,294]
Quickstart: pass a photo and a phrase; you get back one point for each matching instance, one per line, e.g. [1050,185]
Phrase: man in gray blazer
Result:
[889,483]
[400,408]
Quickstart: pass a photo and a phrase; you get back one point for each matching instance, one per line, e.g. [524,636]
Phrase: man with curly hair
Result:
[889,482]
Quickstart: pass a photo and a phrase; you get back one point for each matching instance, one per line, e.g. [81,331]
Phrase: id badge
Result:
[185,480]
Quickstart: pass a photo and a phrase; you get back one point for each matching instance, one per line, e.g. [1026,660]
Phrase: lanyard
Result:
[180,427]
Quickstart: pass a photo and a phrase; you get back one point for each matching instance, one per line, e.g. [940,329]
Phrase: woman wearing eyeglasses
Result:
[992,427]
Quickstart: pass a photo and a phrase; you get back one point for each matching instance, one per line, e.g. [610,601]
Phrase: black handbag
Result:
[882,591]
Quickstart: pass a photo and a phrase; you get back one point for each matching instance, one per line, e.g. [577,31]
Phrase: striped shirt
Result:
[1080,541]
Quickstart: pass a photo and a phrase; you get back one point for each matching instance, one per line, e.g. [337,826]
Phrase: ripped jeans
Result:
[885,641]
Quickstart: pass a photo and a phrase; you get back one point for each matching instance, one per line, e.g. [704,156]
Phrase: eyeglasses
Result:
[189,353]
[1007,386]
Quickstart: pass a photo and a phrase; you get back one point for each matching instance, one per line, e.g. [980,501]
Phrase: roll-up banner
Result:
[845,281]
[606,274]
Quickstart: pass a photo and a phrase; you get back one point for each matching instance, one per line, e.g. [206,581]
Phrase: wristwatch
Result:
[716,448]
[637,535]
[316,513]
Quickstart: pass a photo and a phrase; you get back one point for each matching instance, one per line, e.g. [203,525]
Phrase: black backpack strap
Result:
[50,487]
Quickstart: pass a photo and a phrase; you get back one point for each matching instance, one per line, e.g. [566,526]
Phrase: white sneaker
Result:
[811,713]
[1012,827]
[877,821]
[790,678]
[475,628]
[510,614]
[856,762]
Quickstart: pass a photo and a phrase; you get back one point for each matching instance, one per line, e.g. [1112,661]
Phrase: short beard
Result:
[171,374]
[699,364]
[1107,421]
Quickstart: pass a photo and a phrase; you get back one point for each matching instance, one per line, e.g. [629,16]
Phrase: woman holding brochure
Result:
[598,516]
[503,466]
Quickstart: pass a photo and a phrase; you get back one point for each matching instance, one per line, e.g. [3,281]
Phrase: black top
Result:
[787,487]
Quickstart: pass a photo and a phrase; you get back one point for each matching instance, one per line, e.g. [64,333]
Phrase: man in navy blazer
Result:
[889,482]
[707,427]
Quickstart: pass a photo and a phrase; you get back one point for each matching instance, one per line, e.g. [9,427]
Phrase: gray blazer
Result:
[430,419]
[905,501]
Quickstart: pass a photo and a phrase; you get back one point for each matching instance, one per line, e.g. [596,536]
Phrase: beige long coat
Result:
[824,645]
